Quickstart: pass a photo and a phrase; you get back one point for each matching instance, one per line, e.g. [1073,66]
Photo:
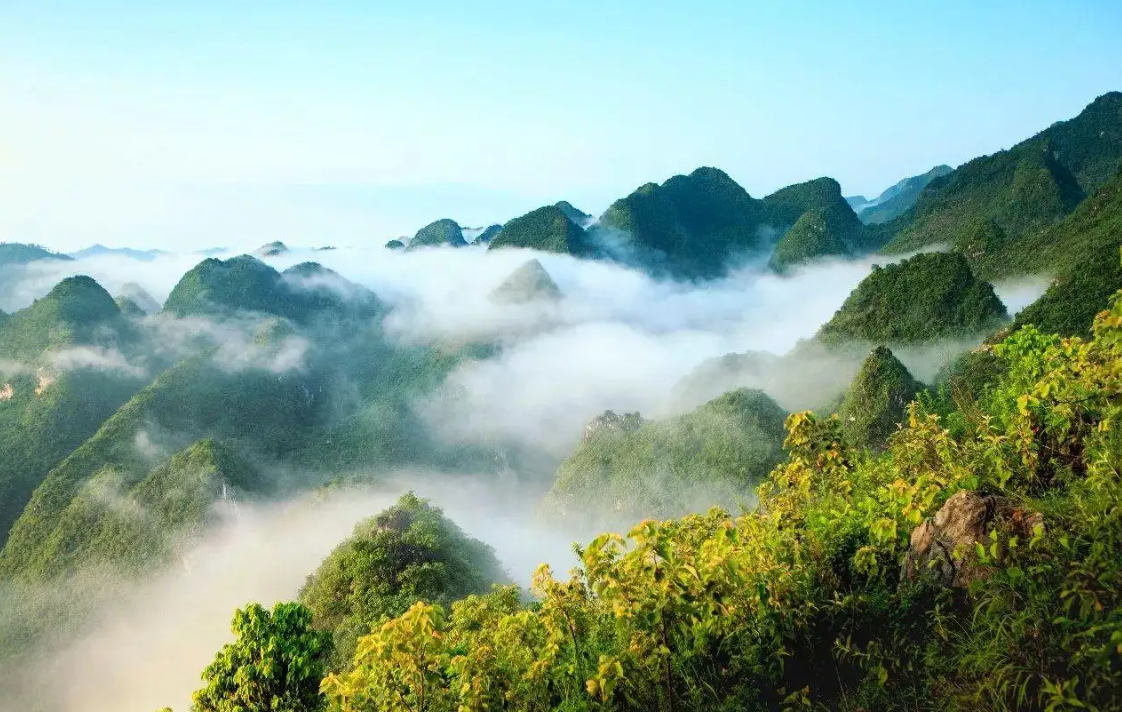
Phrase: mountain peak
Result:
[529,283]
[877,399]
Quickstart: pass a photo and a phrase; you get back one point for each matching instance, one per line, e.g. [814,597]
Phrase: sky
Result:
[192,125]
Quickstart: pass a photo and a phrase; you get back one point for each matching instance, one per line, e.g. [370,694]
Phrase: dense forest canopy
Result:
[818,452]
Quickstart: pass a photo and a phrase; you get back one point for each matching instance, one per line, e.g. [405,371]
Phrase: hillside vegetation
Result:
[547,229]
[964,570]
[1023,191]
[624,471]
[926,297]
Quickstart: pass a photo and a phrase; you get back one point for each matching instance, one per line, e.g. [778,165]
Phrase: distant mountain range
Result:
[896,199]
[102,250]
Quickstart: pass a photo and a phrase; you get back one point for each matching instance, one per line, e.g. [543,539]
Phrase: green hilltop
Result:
[437,234]
[715,453]
[408,553]
[926,297]
[529,283]
[245,284]
[691,225]
[877,399]
[77,311]
[547,229]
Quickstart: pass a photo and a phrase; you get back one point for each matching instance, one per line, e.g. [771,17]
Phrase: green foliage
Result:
[713,455]
[395,245]
[488,234]
[406,554]
[1024,190]
[690,226]
[929,296]
[802,603]
[1082,253]
[275,665]
[437,234]
[900,197]
[576,215]
[192,401]
[877,400]
[548,229]
[77,311]
[245,284]
[529,283]
[40,426]
[16,254]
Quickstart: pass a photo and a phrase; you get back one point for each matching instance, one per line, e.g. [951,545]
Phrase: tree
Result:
[275,665]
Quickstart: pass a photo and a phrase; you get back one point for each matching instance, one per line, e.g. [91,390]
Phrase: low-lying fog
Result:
[617,340]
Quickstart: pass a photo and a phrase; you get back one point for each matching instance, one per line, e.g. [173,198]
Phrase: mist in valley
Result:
[617,340]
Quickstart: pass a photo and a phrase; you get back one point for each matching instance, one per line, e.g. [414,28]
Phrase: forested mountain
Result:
[630,467]
[795,527]
[998,201]
[548,229]
[442,232]
[929,296]
[1081,253]
[529,283]
[896,199]
[15,253]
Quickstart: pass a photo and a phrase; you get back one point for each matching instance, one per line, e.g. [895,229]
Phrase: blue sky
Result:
[205,123]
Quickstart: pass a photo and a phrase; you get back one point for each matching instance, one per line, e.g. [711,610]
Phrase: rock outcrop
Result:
[943,546]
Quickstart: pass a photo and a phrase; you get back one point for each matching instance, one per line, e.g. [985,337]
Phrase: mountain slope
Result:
[42,422]
[877,399]
[547,229]
[194,400]
[14,254]
[929,296]
[712,455]
[897,199]
[439,233]
[1082,253]
[1024,190]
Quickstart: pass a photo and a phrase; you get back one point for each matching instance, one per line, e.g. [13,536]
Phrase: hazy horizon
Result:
[216,126]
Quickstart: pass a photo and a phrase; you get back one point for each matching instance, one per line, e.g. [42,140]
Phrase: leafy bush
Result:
[274,665]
